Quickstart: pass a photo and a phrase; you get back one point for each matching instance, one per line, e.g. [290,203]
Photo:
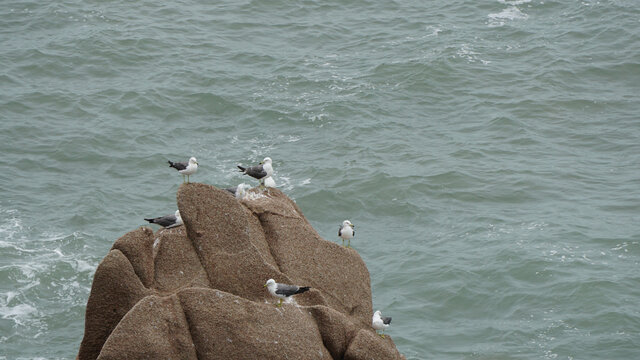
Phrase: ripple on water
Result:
[45,283]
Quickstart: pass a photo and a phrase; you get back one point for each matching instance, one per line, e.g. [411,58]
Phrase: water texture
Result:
[487,151]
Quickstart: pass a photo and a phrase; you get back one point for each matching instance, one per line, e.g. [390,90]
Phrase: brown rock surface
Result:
[196,291]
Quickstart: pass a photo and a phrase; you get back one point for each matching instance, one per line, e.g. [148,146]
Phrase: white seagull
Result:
[346,231]
[167,221]
[185,168]
[238,191]
[379,322]
[269,182]
[260,172]
[284,291]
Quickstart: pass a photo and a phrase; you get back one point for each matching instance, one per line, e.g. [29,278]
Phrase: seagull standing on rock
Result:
[238,191]
[269,182]
[346,231]
[380,323]
[185,168]
[167,221]
[260,172]
[284,291]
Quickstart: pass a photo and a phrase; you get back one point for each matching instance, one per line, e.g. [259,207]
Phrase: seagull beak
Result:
[265,285]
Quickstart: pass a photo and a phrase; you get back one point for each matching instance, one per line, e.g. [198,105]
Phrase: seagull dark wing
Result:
[256,172]
[386,320]
[178,165]
[164,221]
[288,290]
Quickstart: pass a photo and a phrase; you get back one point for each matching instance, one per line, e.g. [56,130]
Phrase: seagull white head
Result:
[377,313]
[266,160]
[270,283]
[348,223]
[193,160]
[240,190]
[178,213]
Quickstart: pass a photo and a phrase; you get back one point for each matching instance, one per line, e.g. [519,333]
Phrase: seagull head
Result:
[193,160]
[270,283]
[240,190]
[377,314]
[178,214]
[266,160]
[348,223]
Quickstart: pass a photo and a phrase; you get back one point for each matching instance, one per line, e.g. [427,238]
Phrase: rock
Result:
[196,291]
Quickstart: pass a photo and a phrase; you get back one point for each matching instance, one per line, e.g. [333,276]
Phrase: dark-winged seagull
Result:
[260,172]
[284,291]
[167,221]
[380,322]
[238,191]
[346,231]
[185,168]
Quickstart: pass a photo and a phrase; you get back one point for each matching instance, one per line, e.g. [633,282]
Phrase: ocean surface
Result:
[488,153]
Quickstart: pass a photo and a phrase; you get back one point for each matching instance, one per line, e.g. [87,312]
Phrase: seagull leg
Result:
[342,242]
[349,245]
[280,303]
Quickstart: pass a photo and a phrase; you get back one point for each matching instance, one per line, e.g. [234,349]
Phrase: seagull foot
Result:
[381,335]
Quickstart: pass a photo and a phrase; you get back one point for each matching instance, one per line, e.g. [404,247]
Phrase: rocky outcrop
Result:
[196,291]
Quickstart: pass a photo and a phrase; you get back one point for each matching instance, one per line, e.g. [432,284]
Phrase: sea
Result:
[488,153]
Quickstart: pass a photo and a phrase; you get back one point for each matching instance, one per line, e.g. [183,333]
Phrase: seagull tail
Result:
[303,289]
[171,164]
[242,169]
[149,220]
[386,320]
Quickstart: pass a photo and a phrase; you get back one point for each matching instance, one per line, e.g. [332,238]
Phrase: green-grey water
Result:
[487,151]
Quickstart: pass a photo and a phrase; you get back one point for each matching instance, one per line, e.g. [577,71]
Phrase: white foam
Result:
[285,183]
[17,313]
[509,14]
[37,254]
[434,30]
[466,53]
[514,2]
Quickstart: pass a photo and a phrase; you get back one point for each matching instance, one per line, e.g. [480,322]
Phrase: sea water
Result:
[486,151]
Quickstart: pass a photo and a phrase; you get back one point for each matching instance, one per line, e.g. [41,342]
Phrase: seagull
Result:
[238,191]
[284,291]
[183,168]
[380,323]
[269,182]
[260,172]
[346,231]
[167,221]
